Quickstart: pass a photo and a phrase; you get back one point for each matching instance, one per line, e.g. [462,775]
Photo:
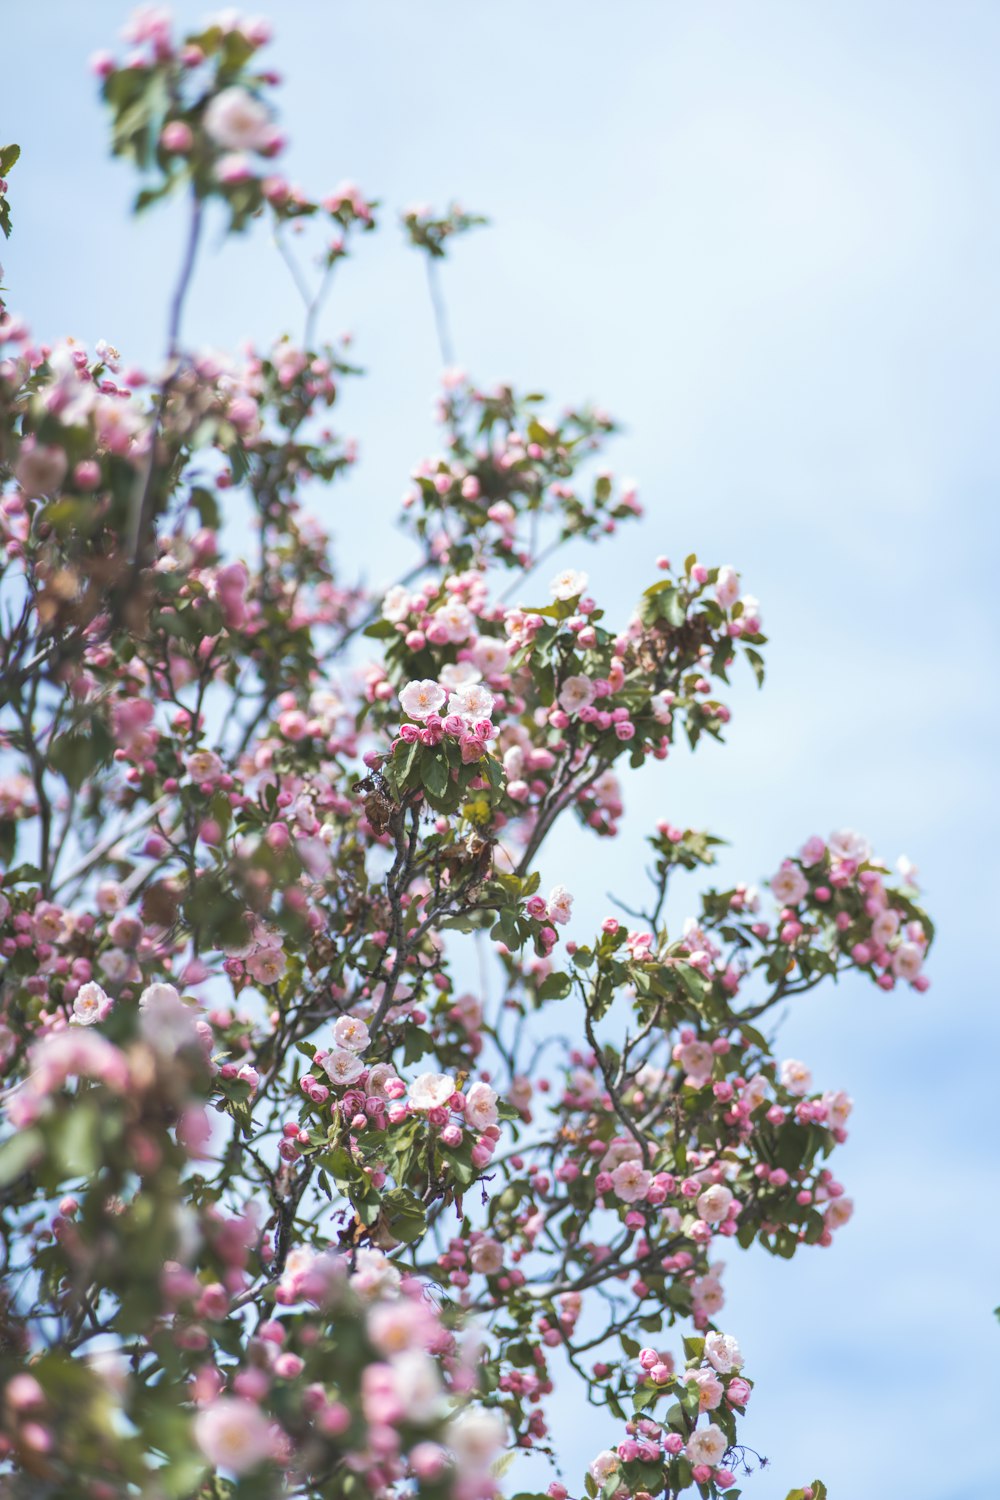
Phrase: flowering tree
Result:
[289,1205]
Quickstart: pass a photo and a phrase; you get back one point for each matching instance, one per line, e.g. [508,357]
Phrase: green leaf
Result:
[18,1153]
[757,663]
[76,755]
[406,1216]
[436,773]
[555,987]
[8,156]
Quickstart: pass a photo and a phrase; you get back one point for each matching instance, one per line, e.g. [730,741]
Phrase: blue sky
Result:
[765,236]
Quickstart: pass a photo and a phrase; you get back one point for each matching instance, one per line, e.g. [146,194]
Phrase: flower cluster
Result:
[290,1203]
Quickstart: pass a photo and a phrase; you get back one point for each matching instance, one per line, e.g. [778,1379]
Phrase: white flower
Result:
[374,1275]
[560,904]
[908,870]
[576,693]
[660,703]
[723,1352]
[165,1021]
[727,587]
[604,1465]
[795,1076]
[431,1091]
[421,699]
[350,1033]
[158,994]
[418,1385]
[849,845]
[714,1202]
[459,674]
[236,120]
[480,1106]
[342,1067]
[471,702]
[568,584]
[396,604]
[91,1004]
[789,885]
[475,1436]
[706,1446]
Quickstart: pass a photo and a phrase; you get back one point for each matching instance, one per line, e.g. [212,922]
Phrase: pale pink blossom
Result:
[350,1033]
[789,885]
[422,698]
[795,1076]
[473,702]
[576,693]
[849,845]
[723,1352]
[486,1257]
[342,1066]
[631,1181]
[604,1465]
[91,1004]
[237,121]
[431,1091]
[233,1434]
[714,1203]
[727,587]
[475,1437]
[480,1106]
[706,1445]
[568,584]
[560,905]
[907,961]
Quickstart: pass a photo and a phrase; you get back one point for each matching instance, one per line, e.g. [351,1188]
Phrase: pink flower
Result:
[40,470]
[342,1067]
[706,1446]
[631,1181]
[576,693]
[233,1434]
[714,1203]
[789,885]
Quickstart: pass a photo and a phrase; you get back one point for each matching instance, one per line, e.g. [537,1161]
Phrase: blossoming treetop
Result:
[288,1207]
